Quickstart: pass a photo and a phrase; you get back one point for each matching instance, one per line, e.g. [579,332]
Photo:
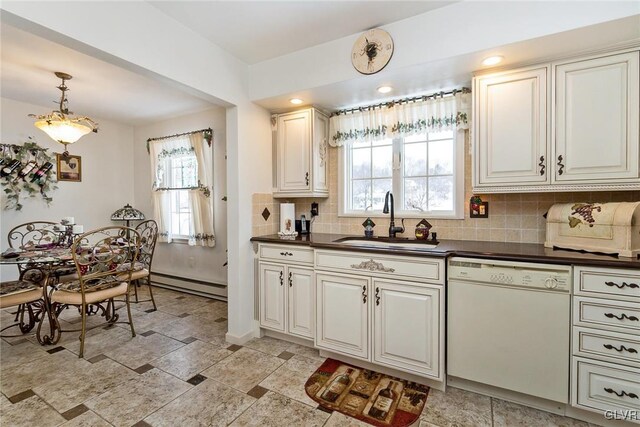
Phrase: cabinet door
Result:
[342,321]
[406,322]
[596,120]
[510,138]
[294,143]
[272,296]
[320,152]
[301,301]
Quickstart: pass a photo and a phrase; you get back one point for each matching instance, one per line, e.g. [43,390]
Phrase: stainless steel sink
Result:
[387,243]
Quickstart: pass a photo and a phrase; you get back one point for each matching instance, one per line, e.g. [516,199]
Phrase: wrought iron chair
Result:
[26,292]
[102,258]
[142,268]
[25,295]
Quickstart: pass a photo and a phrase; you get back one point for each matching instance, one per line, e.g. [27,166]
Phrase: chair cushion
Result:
[24,292]
[90,285]
[16,286]
[75,298]
[137,266]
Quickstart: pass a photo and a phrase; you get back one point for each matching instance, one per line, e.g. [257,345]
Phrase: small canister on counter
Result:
[422,230]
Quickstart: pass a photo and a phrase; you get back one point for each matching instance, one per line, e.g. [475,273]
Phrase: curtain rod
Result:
[402,101]
[207,130]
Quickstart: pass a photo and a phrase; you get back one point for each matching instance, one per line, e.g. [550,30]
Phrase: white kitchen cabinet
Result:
[606,339]
[407,326]
[302,156]
[386,309]
[574,128]
[510,127]
[596,119]
[272,296]
[301,301]
[286,290]
[342,321]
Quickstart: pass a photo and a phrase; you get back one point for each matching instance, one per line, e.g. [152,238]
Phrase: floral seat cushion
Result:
[137,266]
[16,286]
[90,285]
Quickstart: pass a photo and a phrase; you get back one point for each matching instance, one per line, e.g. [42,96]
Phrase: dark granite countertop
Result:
[489,250]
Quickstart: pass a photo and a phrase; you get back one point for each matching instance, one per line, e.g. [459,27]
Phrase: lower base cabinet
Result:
[342,317]
[287,299]
[388,322]
[406,326]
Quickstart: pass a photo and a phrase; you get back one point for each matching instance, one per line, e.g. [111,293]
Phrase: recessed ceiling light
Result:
[295,101]
[493,60]
[385,89]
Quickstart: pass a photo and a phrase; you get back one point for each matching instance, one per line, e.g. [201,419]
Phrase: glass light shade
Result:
[127,213]
[63,131]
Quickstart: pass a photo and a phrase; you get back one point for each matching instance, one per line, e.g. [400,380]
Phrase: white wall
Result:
[107,173]
[176,259]
[441,34]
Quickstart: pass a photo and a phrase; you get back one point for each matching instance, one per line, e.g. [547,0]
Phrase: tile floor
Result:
[179,371]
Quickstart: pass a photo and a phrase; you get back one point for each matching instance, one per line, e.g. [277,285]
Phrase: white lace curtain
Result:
[402,119]
[199,192]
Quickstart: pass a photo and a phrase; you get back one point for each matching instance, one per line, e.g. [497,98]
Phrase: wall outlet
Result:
[314,209]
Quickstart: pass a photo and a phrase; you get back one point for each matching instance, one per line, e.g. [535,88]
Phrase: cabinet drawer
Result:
[602,386]
[392,266]
[286,253]
[613,315]
[607,282]
[611,346]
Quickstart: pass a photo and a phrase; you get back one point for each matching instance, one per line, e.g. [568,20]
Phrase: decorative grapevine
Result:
[26,171]
[584,210]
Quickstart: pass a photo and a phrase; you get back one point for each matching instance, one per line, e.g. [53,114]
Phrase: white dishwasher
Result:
[508,325]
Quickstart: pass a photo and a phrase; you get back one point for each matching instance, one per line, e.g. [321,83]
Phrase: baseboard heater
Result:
[193,286]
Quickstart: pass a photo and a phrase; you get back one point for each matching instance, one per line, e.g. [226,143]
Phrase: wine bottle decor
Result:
[25,171]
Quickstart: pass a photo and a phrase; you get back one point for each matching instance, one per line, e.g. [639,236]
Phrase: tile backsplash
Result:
[512,217]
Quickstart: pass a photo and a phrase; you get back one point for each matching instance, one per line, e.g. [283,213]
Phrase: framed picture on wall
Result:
[69,167]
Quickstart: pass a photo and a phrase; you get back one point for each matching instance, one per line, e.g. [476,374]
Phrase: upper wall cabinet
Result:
[596,120]
[302,156]
[511,127]
[577,132]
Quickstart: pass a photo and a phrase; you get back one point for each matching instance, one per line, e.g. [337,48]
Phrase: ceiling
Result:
[255,31]
[98,89]
[105,91]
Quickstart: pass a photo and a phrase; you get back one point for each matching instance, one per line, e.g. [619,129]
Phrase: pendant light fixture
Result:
[61,125]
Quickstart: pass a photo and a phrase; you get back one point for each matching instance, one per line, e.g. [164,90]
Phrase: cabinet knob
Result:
[364,294]
[560,165]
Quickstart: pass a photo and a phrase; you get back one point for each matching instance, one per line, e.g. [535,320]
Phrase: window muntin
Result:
[182,175]
[420,170]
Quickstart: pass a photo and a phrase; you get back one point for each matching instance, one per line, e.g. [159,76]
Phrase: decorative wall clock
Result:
[372,51]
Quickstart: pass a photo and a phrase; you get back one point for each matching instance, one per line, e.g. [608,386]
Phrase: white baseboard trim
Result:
[240,339]
[197,287]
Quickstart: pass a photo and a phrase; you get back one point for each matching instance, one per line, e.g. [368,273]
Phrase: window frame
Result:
[344,181]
